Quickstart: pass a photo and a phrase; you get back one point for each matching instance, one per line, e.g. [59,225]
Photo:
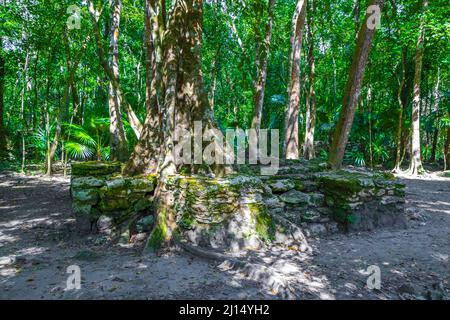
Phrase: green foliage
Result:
[36,46]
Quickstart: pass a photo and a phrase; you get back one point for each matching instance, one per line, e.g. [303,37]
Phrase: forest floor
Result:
[38,243]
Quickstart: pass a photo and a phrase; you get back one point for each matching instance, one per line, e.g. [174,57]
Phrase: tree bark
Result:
[22,110]
[291,137]
[308,149]
[447,151]
[185,101]
[435,110]
[146,155]
[352,91]
[118,143]
[262,59]
[72,67]
[3,151]
[400,94]
[116,98]
[416,167]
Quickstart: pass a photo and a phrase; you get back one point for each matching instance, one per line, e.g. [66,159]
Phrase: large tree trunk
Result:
[353,90]
[308,149]
[146,155]
[415,166]
[291,138]
[3,151]
[262,59]
[185,101]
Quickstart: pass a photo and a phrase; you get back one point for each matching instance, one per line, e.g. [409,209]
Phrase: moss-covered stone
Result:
[81,209]
[281,186]
[310,216]
[344,182]
[145,224]
[85,196]
[295,197]
[316,199]
[95,168]
[142,185]
[143,204]
[87,182]
[264,227]
[114,205]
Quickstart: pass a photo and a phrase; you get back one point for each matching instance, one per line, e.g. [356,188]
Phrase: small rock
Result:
[295,197]
[281,186]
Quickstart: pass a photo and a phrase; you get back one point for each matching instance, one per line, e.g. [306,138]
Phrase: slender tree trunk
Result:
[72,67]
[22,110]
[291,134]
[401,105]
[416,167]
[356,13]
[3,151]
[147,153]
[116,98]
[261,70]
[447,151]
[214,72]
[308,149]
[369,109]
[436,98]
[353,90]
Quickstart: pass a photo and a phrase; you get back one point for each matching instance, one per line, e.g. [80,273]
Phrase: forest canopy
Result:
[89,80]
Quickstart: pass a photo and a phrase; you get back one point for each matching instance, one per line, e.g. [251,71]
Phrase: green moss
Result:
[116,204]
[159,234]
[187,221]
[299,185]
[143,204]
[389,176]
[265,227]
[95,168]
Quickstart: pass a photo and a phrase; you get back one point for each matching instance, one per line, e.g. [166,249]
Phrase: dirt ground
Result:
[38,243]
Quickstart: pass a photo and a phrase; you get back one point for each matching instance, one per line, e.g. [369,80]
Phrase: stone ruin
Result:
[245,211]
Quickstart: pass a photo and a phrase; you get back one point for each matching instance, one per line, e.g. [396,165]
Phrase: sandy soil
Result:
[38,243]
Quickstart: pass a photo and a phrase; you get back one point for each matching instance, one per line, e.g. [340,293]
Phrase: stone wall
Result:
[103,200]
[325,202]
[242,211]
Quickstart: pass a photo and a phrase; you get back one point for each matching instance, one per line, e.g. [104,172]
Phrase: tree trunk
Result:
[22,110]
[118,143]
[308,149]
[356,13]
[262,59]
[435,110]
[291,137]
[3,151]
[185,101]
[146,154]
[72,67]
[352,91]
[116,98]
[416,167]
[401,87]
[447,151]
